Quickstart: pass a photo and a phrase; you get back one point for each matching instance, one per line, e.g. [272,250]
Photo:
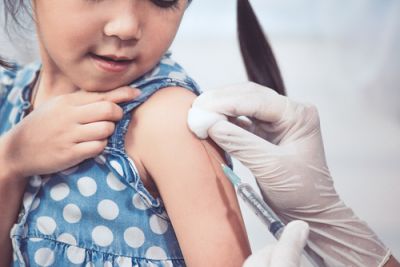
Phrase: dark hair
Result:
[256,52]
[5,64]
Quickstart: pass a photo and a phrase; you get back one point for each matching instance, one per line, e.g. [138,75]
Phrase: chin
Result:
[98,86]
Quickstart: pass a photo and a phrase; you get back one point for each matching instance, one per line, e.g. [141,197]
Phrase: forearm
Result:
[11,191]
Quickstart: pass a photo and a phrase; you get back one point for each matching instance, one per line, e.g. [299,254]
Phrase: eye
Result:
[166,3]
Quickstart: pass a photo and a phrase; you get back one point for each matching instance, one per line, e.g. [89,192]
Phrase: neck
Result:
[52,82]
[51,85]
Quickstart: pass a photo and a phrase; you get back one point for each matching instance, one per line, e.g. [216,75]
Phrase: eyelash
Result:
[171,4]
[164,4]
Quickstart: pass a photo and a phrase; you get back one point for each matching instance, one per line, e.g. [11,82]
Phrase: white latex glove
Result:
[283,148]
[286,252]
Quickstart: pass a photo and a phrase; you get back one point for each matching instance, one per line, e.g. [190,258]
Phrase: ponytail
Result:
[5,64]
[261,66]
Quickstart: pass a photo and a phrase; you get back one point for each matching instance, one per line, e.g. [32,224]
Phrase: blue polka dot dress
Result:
[97,213]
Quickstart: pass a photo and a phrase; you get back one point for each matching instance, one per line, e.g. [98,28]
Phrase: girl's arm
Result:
[11,191]
[199,199]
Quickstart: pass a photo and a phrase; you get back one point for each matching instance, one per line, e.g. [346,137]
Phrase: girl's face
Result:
[99,45]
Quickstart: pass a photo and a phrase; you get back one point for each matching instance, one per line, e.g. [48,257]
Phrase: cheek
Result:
[159,38]
[62,37]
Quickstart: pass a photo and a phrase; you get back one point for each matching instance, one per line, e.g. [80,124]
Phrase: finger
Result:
[122,94]
[98,111]
[243,122]
[90,149]
[248,99]
[260,258]
[94,131]
[118,95]
[233,138]
[248,148]
[290,246]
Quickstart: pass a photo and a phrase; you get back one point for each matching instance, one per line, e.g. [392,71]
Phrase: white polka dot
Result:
[59,191]
[124,262]
[114,183]
[76,255]
[134,237]
[117,167]
[35,181]
[27,200]
[67,239]
[70,170]
[87,186]
[35,204]
[44,257]
[156,253]
[102,236]
[72,213]
[101,159]
[137,201]
[108,264]
[108,209]
[89,264]
[46,225]
[177,75]
[158,225]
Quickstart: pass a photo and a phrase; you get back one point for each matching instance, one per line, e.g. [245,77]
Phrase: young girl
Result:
[144,192]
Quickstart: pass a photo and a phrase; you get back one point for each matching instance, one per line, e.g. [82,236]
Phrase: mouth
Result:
[111,63]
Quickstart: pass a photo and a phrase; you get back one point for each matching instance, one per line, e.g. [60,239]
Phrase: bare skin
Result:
[185,171]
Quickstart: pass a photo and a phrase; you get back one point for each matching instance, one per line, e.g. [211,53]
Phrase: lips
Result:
[111,63]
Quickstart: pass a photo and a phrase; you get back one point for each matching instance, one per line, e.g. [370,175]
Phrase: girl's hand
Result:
[64,131]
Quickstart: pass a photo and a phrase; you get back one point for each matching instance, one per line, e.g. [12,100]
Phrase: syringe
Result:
[265,213]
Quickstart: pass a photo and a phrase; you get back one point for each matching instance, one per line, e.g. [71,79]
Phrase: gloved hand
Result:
[286,252]
[281,144]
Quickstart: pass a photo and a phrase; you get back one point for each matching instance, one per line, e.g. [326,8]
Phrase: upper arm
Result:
[199,199]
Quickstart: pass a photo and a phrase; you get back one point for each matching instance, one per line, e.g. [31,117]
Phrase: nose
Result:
[125,24]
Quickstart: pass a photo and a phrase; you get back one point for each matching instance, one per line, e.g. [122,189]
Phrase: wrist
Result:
[9,168]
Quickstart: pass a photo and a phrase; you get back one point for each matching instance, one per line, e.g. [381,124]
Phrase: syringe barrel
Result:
[271,220]
[260,208]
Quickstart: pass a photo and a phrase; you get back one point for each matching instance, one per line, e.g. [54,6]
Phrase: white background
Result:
[343,56]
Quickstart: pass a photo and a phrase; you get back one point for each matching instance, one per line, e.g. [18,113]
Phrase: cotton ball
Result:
[200,120]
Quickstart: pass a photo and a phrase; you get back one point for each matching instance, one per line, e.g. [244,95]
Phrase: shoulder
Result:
[155,128]
[162,139]
[167,105]
[160,120]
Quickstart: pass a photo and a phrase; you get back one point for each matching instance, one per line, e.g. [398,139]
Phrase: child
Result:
[135,204]
[154,185]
